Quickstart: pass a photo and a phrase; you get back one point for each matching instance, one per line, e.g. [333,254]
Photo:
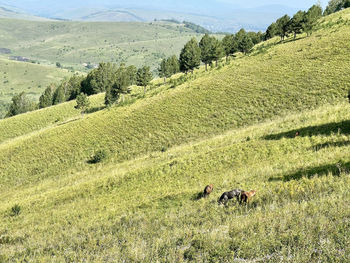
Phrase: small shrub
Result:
[99,156]
[15,210]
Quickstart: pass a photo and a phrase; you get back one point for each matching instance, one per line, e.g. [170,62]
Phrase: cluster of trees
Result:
[301,22]
[67,90]
[168,67]
[336,5]
[242,41]
[115,81]
[208,50]
[109,78]
[20,104]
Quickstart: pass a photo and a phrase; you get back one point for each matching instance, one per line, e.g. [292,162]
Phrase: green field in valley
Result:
[75,44]
[233,126]
[16,77]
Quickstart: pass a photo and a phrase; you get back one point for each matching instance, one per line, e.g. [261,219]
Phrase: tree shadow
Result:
[342,127]
[291,39]
[336,169]
[94,109]
[68,121]
[321,146]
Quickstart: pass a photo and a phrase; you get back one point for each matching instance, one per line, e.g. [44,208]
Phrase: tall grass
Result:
[234,127]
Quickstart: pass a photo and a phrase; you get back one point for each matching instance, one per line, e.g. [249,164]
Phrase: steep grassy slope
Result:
[146,209]
[30,122]
[75,43]
[289,77]
[16,77]
[141,203]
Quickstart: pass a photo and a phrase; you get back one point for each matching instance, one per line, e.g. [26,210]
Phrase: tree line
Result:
[302,21]
[108,77]
[207,51]
[336,5]
[115,80]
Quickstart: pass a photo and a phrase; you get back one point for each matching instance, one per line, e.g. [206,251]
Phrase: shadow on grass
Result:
[342,127]
[197,196]
[94,109]
[288,40]
[319,147]
[69,121]
[336,169]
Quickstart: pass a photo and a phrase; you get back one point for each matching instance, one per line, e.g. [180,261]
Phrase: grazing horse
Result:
[207,190]
[229,195]
[245,196]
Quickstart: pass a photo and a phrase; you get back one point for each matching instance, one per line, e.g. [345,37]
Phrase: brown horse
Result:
[246,196]
[207,190]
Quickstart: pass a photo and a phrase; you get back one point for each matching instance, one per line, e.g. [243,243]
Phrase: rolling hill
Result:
[25,76]
[233,126]
[217,16]
[9,13]
[75,44]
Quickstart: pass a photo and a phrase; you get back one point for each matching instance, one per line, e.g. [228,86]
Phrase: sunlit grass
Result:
[234,127]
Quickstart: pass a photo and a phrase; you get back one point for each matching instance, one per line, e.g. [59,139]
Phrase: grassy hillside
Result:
[16,77]
[75,43]
[233,127]
[112,210]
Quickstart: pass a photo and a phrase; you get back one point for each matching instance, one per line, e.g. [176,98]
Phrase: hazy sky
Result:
[292,3]
[302,4]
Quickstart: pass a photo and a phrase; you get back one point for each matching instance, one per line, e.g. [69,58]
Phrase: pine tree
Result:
[163,69]
[230,45]
[73,87]
[335,6]
[206,47]
[123,79]
[169,67]
[217,51]
[144,77]
[256,37]
[283,24]
[83,102]
[100,79]
[240,34]
[58,96]
[20,104]
[173,65]
[132,72]
[246,44]
[46,99]
[346,4]
[297,23]
[190,56]
[311,17]
[271,31]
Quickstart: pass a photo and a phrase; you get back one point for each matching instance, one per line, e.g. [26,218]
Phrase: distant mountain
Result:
[6,12]
[211,14]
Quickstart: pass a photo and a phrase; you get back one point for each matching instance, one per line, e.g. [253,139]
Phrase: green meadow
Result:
[233,126]
[16,77]
[73,44]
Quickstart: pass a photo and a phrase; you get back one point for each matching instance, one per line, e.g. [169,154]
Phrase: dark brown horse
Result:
[207,190]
